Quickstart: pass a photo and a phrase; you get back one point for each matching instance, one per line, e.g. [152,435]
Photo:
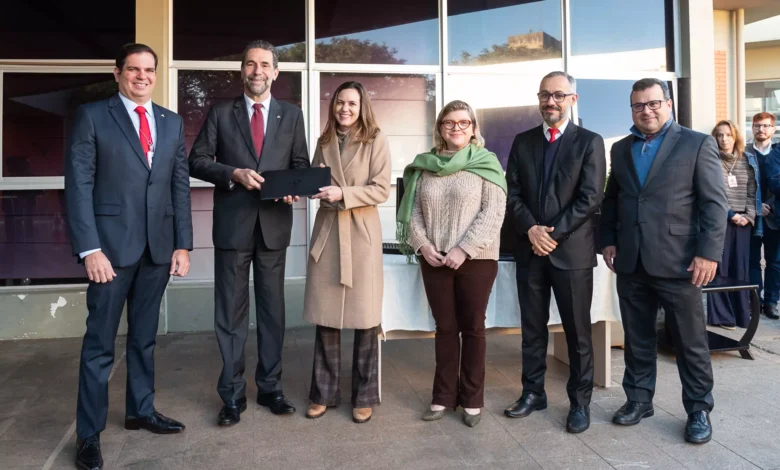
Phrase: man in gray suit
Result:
[662,231]
[240,140]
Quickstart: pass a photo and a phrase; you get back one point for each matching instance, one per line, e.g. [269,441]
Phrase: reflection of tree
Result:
[198,90]
[345,50]
[503,53]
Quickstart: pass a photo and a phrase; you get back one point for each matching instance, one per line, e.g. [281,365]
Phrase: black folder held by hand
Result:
[302,182]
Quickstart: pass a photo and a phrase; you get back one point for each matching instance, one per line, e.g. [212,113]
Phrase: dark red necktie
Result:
[145,133]
[553,134]
[258,134]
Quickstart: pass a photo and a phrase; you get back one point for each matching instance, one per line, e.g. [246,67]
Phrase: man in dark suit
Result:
[556,175]
[663,225]
[239,140]
[128,199]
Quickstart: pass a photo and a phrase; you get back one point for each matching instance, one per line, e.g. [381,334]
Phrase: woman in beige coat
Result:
[344,275]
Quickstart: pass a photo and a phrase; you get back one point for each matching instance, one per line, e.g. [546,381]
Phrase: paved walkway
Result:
[38,383]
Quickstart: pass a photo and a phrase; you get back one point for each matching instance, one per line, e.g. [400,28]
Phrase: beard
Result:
[761,138]
[257,89]
[549,116]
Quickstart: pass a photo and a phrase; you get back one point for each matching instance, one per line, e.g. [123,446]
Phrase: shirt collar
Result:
[250,102]
[663,130]
[130,105]
[561,129]
[768,149]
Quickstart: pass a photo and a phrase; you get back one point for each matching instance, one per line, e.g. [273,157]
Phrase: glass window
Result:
[200,89]
[505,106]
[603,107]
[37,115]
[493,32]
[404,106]
[355,32]
[206,30]
[762,97]
[617,35]
[65,29]
[34,242]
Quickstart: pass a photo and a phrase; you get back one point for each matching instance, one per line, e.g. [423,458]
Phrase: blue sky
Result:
[604,106]
[597,26]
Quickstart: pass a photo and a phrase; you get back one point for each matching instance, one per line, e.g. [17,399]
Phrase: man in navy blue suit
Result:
[128,200]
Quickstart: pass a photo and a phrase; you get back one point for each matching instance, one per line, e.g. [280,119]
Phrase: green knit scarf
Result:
[472,158]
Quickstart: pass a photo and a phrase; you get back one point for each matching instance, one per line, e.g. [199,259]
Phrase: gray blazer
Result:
[679,213]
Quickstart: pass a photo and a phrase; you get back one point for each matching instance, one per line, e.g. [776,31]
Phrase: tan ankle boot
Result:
[315,411]
[361,415]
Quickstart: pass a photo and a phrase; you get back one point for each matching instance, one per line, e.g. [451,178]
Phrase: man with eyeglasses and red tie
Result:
[556,176]
[663,225]
[769,291]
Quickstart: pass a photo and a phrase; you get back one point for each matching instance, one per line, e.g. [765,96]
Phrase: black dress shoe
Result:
[88,456]
[276,402]
[698,429]
[770,310]
[578,419]
[155,423]
[526,404]
[231,412]
[632,412]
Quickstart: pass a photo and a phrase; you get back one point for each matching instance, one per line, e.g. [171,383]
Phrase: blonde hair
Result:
[366,127]
[739,141]
[438,140]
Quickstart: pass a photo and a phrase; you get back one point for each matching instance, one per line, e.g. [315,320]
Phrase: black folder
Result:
[302,182]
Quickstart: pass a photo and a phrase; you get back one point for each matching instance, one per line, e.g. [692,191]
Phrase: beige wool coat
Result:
[344,279]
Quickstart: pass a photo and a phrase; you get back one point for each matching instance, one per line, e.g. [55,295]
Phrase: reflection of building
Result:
[537,40]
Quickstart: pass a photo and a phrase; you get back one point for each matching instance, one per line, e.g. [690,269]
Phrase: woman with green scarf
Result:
[450,218]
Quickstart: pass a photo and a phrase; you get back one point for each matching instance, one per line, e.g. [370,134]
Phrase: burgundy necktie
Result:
[553,134]
[258,134]
[145,134]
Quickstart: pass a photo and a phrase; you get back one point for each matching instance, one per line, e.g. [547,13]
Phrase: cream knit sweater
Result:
[461,209]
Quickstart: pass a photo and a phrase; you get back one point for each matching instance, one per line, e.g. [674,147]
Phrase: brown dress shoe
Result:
[361,415]
[315,411]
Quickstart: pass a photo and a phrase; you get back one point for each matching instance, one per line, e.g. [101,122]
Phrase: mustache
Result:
[552,108]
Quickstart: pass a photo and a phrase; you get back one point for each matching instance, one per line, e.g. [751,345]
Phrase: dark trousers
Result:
[458,300]
[142,285]
[732,308]
[769,289]
[640,295]
[326,372]
[231,316]
[573,291]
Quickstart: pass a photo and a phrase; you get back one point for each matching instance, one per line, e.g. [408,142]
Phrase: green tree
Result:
[344,50]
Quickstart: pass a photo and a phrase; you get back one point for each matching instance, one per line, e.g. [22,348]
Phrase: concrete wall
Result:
[762,63]
[725,65]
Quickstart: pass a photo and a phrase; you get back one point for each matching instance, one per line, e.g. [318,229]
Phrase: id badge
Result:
[732,181]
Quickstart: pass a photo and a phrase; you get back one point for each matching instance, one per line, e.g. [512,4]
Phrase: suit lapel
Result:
[567,139]
[242,120]
[330,153]
[670,140]
[538,154]
[274,116]
[348,155]
[162,134]
[119,113]
[626,154]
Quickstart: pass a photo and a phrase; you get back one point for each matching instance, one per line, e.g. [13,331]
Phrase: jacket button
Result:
[150,183]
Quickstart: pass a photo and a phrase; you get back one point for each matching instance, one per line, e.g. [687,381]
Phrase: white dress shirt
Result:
[762,152]
[561,129]
[250,107]
[136,120]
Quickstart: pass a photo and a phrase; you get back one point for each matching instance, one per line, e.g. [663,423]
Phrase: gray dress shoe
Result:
[471,420]
[431,415]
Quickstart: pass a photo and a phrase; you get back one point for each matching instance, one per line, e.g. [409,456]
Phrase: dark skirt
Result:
[732,308]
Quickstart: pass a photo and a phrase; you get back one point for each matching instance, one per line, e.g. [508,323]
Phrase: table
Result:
[406,314]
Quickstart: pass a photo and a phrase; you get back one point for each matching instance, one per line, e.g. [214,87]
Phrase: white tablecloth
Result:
[405,306]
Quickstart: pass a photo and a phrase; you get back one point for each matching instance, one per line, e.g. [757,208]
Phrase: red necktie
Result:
[145,133]
[258,134]
[553,134]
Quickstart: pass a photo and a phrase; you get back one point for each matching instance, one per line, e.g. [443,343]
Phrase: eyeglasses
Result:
[450,125]
[763,126]
[558,96]
[639,107]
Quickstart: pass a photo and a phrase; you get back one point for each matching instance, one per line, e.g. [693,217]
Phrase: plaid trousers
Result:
[326,372]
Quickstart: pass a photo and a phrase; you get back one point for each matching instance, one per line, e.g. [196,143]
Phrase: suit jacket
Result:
[224,144]
[679,213]
[574,193]
[114,201]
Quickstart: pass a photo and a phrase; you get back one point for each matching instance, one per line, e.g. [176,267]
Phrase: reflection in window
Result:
[65,29]
[37,116]
[34,242]
[404,106]
[504,31]
[762,97]
[354,32]
[603,107]
[200,89]
[610,34]
[206,30]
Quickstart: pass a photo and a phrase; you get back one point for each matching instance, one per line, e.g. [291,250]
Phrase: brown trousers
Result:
[458,300]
